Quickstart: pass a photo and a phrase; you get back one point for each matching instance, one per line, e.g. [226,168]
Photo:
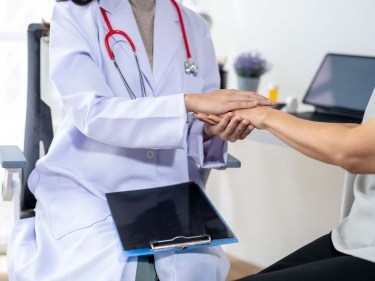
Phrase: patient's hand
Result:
[256,115]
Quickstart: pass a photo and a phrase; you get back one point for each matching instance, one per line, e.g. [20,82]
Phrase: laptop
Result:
[340,89]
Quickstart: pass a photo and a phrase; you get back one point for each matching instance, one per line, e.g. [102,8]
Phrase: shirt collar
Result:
[111,5]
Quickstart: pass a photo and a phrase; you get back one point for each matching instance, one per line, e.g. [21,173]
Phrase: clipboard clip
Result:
[180,242]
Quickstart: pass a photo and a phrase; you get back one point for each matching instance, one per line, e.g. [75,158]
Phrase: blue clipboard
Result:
[168,218]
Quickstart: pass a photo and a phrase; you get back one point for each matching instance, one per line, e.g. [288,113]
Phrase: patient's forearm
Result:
[347,145]
[321,141]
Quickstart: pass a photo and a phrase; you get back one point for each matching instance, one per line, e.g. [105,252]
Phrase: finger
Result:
[223,124]
[246,132]
[203,117]
[247,96]
[231,128]
[241,127]
[262,100]
[215,118]
[241,105]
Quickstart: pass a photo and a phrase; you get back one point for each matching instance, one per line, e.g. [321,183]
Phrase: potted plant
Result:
[249,68]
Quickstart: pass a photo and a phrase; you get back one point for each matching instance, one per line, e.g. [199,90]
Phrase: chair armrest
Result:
[232,162]
[13,161]
[11,157]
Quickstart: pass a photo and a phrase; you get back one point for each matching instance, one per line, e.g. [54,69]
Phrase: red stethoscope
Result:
[190,67]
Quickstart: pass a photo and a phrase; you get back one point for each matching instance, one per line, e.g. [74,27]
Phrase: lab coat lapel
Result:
[167,37]
[121,16]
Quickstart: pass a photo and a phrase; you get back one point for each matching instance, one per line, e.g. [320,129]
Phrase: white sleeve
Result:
[212,153]
[90,102]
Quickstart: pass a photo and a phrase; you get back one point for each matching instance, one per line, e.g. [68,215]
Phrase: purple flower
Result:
[250,65]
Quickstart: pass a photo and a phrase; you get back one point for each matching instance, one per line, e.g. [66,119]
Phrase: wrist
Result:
[265,118]
[189,102]
[207,132]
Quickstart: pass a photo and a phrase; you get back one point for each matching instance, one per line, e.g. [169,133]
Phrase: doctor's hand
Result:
[227,127]
[223,101]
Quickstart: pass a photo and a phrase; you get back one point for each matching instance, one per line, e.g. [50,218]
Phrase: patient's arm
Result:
[350,146]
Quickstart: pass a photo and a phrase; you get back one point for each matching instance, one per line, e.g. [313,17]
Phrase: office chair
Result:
[38,131]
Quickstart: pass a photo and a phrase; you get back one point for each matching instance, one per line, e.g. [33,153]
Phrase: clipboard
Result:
[168,218]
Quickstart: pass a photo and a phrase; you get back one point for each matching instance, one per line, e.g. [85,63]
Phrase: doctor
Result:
[127,99]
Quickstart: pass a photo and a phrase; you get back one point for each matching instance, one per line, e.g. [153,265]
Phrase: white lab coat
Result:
[108,142]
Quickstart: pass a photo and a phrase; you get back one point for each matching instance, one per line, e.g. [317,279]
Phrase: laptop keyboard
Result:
[321,117]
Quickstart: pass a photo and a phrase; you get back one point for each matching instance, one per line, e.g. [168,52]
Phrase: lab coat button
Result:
[150,154]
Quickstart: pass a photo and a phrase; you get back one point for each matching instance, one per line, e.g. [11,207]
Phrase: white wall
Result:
[293,35]
[279,199]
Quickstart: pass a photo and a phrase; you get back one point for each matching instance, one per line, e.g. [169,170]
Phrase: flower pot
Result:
[248,83]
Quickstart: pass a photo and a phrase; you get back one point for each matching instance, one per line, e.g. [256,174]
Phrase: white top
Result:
[355,235]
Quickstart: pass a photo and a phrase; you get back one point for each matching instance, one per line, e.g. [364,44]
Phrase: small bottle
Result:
[291,104]
[273,91]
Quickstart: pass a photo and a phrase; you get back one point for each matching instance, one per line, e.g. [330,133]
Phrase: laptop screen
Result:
[343,83]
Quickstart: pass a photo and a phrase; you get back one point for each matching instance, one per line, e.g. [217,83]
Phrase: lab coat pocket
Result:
[74,208]
[22,249]
[192,84]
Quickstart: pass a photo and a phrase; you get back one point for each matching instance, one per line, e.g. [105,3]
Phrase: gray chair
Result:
[38,134]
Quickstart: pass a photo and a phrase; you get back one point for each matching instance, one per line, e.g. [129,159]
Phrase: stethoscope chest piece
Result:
[191,67]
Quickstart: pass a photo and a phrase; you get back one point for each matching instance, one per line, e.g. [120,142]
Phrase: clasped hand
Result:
[220,110]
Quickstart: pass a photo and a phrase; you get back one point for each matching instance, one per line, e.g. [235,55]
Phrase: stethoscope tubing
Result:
[190,67]
[187,48]
[112,32]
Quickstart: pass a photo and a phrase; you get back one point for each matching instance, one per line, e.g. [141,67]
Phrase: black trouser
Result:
[318,261]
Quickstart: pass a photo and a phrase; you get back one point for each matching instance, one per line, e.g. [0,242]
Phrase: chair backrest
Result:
[38,125]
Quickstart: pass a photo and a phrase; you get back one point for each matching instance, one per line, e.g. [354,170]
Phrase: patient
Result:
[348,252]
